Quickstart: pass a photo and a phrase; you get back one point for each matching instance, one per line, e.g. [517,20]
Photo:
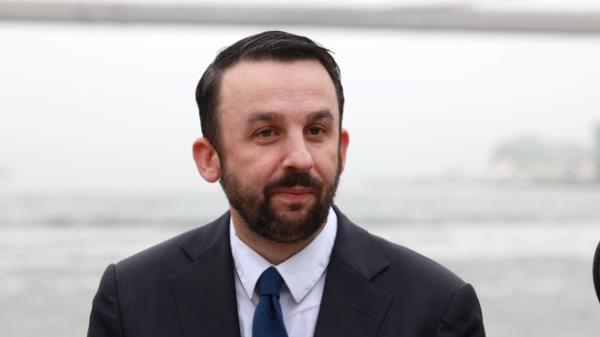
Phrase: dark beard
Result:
[259,216]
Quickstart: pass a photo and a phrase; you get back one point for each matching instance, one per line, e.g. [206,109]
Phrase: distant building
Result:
[530,158]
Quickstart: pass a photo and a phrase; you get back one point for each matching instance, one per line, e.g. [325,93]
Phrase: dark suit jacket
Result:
[596,271]
[185,287]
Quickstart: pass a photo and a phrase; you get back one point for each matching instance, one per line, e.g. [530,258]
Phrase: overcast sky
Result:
[112,107]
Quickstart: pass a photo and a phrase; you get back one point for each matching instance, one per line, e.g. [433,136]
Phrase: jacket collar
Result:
[205,291]
[355,247]
[349,295]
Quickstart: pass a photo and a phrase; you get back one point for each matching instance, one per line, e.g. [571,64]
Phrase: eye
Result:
[265,133]
[315,130]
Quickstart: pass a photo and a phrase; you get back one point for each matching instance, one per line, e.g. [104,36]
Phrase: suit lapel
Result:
[205,291]
[351,304]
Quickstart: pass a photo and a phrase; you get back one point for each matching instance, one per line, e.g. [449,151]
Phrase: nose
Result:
[297,155]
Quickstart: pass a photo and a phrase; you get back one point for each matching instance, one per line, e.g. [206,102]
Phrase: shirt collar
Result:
[300,272]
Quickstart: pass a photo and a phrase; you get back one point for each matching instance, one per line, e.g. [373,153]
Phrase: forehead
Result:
[272,86]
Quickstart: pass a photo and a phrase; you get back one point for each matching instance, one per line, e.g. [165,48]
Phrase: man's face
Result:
[281,152]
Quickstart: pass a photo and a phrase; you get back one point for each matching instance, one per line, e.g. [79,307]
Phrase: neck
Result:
[272,251]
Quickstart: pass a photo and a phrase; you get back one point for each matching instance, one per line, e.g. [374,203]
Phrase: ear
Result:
[207,160]
[344,142]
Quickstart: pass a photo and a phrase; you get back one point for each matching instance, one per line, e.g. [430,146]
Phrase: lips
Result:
[298,190]
[294,194]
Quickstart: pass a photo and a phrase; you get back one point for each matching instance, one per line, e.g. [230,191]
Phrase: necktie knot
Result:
[269,282]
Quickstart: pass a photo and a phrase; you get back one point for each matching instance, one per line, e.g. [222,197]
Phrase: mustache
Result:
[293,178]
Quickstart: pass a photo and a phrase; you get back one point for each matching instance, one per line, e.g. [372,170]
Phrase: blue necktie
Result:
[268,320]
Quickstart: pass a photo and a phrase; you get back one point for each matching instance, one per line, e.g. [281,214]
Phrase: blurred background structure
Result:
[475,131]
[576,16]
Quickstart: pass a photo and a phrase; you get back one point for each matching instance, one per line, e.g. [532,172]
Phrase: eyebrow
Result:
[322,114]
[264,117]
[277,117]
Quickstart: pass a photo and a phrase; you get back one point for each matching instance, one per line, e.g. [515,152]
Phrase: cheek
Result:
[326,163]
[258,167]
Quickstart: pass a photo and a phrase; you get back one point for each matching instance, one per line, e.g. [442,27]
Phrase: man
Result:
[596,271]
[283,261]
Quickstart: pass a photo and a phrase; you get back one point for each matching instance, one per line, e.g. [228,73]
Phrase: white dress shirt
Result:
[303,274]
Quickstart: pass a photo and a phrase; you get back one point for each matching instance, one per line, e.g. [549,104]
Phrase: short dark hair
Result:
[270,45]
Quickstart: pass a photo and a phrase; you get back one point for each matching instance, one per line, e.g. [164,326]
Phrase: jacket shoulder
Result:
[388,263]
[170,256]
[414,266]
[439,302]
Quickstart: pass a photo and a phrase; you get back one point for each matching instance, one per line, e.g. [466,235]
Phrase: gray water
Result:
[527,249]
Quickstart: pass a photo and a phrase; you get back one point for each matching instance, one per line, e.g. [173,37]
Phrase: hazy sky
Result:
[112,107]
